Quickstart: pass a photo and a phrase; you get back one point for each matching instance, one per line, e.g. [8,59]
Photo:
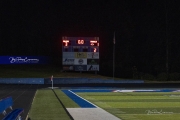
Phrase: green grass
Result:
[42,71]
[139,105]
[46,106]
[67,102]
[126,106]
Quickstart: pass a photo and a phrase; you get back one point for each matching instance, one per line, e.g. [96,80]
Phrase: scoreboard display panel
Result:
[80,53]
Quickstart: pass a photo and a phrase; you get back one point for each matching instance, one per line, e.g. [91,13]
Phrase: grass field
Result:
[126,106]
[138,105]
[47,107]
[30,71]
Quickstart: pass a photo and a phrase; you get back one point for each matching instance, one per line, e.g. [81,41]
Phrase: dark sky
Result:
[35,27]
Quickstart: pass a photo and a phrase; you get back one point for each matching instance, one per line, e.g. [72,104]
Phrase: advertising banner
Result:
[23,60]
[80,61]
[80,67]
[92,67]
[68,67]
[68,61]
[80,55]
[93,55]
[92,61]
[68,54]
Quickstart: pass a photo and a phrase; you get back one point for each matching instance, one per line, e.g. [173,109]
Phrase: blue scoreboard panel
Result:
[80,53]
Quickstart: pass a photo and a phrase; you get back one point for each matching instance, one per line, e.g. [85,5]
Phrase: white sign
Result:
[92,67]
[68,61]
[80,61]
[94,55]
[68,54]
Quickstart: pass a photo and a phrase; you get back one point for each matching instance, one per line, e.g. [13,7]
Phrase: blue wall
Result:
[63,81]
[22,80]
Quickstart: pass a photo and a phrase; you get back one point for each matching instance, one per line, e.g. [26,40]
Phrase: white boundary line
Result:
[31,105]
[82,98]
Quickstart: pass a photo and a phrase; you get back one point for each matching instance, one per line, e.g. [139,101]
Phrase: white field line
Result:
[31,105]
[83,98]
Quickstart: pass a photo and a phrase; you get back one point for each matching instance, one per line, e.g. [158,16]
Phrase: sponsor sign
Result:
[80,68]
[80,55]
[68,61]
[93,55]
[92,61]
[92,67]
[80,61]
[23,60]
[68,54]
[68,68]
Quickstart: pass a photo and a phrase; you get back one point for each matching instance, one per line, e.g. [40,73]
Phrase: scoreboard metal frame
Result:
[80,53]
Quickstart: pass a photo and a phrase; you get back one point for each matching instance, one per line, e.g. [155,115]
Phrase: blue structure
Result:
[63,81]
[21,80]
[14,114]
[81,102]
[88,80]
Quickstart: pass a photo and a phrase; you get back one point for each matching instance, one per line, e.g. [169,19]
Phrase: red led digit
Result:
[66,42]
[94,49]
[80,41]
[92,42]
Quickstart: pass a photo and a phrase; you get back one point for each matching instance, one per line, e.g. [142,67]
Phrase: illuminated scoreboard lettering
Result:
[76,51]
[66,42]
[94,43]
[81,42]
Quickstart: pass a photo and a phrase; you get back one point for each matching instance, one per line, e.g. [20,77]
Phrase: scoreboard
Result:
[80,53]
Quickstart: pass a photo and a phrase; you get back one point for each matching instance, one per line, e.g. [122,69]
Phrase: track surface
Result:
[22,96]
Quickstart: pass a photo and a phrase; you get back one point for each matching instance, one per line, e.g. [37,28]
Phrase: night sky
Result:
[142,28]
